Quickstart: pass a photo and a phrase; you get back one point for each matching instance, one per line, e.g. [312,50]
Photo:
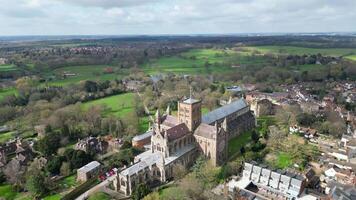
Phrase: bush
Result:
[140,191]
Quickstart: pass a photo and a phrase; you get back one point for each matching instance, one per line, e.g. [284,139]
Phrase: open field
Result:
[7,92]
[284,160]
[4,137]
[6,192]
[53,197]
[352,57]
[119,105]
[302,50]
[194,62]
[6,68]
[68,182]
[88,72]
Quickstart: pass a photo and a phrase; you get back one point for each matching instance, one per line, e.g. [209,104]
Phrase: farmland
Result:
[6,68]
[6,136]
[7,92]
[119,105]
[200,61]
[303,50]
[352,57]
[85,72]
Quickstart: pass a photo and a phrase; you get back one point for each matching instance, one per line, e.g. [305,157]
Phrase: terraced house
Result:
[278,182]
[179,140]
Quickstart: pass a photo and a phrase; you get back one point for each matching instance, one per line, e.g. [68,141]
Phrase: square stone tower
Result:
[189,112]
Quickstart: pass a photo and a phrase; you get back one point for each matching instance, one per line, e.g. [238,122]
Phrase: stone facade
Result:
[179,140]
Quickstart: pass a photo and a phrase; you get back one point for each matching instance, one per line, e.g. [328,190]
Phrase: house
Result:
[92,144]
[342,192]
[140,141]
[282,183]
[88,171]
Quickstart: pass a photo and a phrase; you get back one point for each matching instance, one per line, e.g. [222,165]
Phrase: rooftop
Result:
[224,111]
[191,101]
[90,166]
[143,136]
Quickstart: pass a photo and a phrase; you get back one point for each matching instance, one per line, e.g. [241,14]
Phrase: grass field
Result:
[6,68]
[284,160]
[6,192]
[302,50]
[119,105]
[88,72]
[7,92]
[53,197]
[6,136]
[68,182]
[193,62]
[352,57]
[236,143]
[99,196]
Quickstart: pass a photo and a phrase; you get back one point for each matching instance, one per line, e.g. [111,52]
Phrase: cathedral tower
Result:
[189,112]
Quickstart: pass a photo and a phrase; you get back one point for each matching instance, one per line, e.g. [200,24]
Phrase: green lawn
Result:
[172,192]
[87,72]
[99,196]
[119,105]
[7,193]
[4,137]
[7,92]
[6,68]
[352,57]
[236,143]
[284,160]
[53,197]
[302,50]
[193,62]
[68,182]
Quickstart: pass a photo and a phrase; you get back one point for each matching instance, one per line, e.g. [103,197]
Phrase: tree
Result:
[15,172]
[65,169]
[77,158]
[255,136]
[2,177]
[306,119]
[7,113]
[35,183]
[54,165]
[152,196]
[140,191]
[179,171]
[242,150]
[49,144]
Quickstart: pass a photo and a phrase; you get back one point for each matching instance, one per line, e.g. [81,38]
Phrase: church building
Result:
[180,140]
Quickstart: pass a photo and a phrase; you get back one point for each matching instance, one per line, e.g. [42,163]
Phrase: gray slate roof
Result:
[224,111]
[89,167]
[142,136]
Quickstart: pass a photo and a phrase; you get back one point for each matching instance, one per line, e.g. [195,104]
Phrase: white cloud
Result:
[174,16]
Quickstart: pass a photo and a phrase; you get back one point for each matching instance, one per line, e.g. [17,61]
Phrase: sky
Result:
[155,17]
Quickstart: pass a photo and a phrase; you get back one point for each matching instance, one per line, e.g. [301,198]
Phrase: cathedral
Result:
[180,140]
